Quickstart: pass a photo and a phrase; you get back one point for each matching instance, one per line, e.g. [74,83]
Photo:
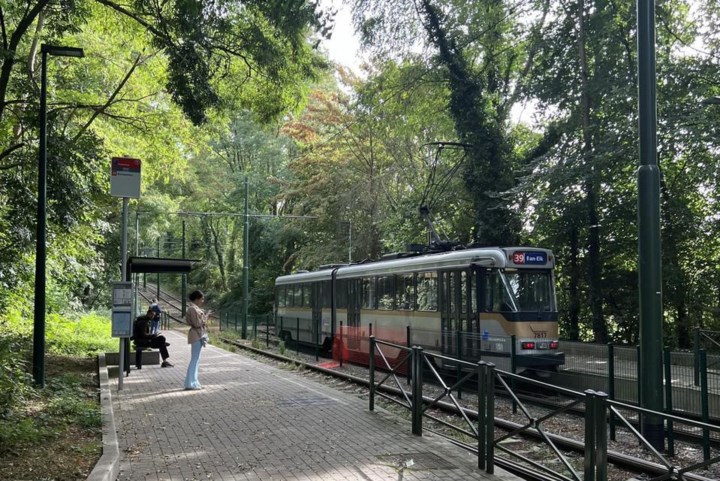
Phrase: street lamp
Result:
[40,253]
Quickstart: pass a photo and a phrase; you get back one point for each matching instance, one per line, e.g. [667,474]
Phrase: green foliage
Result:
[79,335]
[15,380]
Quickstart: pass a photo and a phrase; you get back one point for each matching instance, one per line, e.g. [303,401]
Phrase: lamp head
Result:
[62,51]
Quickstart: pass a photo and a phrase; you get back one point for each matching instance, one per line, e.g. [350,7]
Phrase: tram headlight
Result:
[527,345]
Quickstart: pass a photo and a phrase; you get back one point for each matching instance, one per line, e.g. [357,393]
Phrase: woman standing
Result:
[197,337]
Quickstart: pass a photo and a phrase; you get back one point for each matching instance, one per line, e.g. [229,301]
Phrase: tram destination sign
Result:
[125,177]
[529,258]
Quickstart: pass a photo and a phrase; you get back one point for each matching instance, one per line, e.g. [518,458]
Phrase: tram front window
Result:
[519,291]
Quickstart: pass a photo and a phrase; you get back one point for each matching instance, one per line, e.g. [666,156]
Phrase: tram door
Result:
[316,301]
[454,287]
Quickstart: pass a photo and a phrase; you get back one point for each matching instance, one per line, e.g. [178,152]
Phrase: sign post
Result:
[125,183]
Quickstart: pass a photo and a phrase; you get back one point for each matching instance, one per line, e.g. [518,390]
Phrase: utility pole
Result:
[246,261]
[649,262]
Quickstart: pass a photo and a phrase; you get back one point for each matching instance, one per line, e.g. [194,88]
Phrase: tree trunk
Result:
[594,265]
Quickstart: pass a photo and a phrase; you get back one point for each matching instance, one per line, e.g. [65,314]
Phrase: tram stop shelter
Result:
[153,265]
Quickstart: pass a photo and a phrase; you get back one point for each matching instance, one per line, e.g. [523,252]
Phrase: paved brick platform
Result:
[253,421]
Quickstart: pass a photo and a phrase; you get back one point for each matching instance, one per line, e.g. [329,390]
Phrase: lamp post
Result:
[40,254]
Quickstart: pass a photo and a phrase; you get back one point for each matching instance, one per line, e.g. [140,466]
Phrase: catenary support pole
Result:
[650,268]
[184,276]
[246,261]
[40,248]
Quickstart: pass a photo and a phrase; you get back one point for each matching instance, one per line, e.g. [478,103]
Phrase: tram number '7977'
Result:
[540,334]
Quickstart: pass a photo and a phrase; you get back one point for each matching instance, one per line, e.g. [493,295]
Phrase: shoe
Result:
[197,388]
[167,344]
[166,364]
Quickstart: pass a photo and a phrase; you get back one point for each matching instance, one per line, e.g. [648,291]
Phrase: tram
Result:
[494,303]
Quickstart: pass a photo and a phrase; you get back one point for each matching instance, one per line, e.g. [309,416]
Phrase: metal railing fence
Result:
[486,381]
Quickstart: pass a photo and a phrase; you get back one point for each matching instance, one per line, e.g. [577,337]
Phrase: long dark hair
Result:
[195,295]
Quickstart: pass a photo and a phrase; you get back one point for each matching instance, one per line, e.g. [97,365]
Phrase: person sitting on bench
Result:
[143,338]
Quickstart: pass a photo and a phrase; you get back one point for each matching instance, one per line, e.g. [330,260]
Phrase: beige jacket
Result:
[197,320]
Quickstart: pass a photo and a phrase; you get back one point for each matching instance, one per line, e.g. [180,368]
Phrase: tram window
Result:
[326,293]
[450,293]
[281,296]
[532,290]
[368,293]
[427,291]
[307,295]
[463,291]
[297,295]
[341,294]
[406,292]
[386,292]
[496,297]
[473,294]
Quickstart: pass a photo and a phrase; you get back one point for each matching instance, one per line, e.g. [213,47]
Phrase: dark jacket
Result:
[141,328]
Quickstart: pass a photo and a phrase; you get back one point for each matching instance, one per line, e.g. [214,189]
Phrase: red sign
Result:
[125,177]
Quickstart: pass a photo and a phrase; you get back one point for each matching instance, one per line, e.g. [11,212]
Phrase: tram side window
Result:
[307,295]
[406,292]
[427,291]
[297,295]
[368,293]
[281,296]
[341,295]
[326,294]
[386,292]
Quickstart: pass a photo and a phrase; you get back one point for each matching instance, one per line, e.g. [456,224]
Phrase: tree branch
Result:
[9,60]
[109,100]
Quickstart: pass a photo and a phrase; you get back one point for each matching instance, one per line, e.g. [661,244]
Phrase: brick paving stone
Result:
[255,422]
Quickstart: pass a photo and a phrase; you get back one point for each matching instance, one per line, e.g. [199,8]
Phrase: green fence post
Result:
[704,403]
[601,440]
[669,403]
[316,339]
[255,319]
[490,425]
[482,414]
[371,369]
[611,384]
[267,331]
[340,344]
[639,376]
[513,368]
[591,428]
[458,340]
[409,345]
[297,336]
[417,400]
[696,357]
[236,314]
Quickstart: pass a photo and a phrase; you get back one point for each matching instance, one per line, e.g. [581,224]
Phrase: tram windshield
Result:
[519,290]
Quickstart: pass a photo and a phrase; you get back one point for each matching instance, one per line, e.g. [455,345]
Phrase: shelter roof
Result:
[159,265]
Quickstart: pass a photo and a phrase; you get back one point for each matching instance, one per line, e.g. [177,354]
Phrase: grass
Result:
[53,433]
[61,423]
